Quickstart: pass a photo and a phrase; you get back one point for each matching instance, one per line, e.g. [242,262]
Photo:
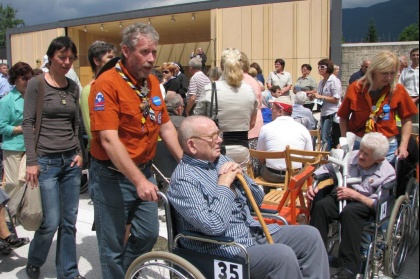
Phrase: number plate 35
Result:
[227,270]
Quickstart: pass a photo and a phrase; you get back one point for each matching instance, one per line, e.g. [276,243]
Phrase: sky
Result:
[46,11]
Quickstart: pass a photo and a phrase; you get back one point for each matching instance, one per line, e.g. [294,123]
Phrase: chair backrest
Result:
[313,158]
[265,155]
[298,180]
[316,135]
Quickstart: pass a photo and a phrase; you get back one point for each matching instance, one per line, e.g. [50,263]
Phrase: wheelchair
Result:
[394,231]
[183,263]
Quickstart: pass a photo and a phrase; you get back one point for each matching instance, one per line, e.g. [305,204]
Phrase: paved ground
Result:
[12,266]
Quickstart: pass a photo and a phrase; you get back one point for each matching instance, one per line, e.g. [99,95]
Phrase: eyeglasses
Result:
[213,136]
[322,67]
[165,72]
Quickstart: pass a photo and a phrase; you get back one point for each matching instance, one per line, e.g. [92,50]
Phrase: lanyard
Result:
[370,123]
[145,107]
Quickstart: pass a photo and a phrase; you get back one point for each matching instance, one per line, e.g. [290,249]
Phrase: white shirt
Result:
[331,88]
[282,79]
[283,131]
[410,79]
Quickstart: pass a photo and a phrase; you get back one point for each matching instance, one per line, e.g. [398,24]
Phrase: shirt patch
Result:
[159,119]
[99,102]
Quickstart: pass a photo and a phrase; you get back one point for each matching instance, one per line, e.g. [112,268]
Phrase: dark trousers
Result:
[352,218]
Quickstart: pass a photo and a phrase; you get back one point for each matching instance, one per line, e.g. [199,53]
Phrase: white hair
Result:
[300,98]
[376,142]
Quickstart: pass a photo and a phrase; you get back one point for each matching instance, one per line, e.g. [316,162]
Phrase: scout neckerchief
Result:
[145,107]
[373,117]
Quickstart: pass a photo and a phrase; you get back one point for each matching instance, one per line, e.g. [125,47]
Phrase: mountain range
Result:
[390,19]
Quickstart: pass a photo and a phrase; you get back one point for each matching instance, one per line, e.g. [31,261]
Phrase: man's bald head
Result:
[193,126]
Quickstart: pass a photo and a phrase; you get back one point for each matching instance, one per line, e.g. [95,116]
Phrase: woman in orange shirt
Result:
[371,104]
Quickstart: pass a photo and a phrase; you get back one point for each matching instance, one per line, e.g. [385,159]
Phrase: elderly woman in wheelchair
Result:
[370,165]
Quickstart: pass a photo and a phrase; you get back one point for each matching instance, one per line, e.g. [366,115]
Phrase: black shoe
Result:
[343,273]
[4,246]
[16,242]
[32,271]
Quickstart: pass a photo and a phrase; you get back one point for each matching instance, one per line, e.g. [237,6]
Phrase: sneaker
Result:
[32,271]
[343,273]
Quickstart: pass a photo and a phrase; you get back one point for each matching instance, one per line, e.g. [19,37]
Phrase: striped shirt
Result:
[203,206]
[197,83]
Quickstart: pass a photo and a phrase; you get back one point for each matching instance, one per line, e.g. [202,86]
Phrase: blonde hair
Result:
[252,72]
[232,67]
[383,61]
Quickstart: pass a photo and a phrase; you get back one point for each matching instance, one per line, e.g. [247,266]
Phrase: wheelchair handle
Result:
[255,208]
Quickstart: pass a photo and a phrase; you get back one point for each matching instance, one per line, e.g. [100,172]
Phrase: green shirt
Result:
[84,106]
[11,115]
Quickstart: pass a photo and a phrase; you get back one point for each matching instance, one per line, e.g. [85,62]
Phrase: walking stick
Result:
[255,207]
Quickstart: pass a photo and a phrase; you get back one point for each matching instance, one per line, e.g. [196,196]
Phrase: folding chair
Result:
[294,190]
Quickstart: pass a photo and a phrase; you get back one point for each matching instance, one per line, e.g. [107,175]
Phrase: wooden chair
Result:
[293,192]
[316,134]
[268,155]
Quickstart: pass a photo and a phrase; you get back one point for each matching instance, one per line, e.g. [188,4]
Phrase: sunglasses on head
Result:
[323,67]
[165,72]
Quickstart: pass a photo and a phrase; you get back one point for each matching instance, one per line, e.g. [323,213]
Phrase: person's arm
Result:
[270,81]
[286,89]
[169,136]
[344,124]
[345,193]
[5,113]
[253,120]
[406,129]
[190,104]
[122,161]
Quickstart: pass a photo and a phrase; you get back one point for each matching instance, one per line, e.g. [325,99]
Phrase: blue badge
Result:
[157,101]
[386,108]
[99,104]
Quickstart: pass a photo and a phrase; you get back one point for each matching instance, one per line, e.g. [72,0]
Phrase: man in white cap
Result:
[275,136]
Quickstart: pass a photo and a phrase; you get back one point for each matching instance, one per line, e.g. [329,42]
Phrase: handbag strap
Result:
[39,107]
[214,98]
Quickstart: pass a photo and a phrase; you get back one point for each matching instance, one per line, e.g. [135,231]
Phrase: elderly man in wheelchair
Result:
[208,199]
[370,165]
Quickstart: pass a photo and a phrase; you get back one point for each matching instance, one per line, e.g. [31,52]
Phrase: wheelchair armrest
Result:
[389,185]
[322,176]
[208,237]
[267,211]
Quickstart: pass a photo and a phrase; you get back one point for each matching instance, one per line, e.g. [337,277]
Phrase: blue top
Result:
[5,86]
[11,115]
[203,206]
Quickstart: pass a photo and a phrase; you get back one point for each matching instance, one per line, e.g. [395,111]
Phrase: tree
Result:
[8,20]
[410,33]
[372,35]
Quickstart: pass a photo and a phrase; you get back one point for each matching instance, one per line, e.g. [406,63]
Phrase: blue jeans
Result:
[326,126]
[60,187]
[116,204]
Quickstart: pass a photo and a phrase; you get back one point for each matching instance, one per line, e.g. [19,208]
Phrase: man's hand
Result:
[344,193]
[147,191]
[311,193]
[228,172]
[77,161]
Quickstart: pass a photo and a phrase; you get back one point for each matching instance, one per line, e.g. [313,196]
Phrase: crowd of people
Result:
[133,109]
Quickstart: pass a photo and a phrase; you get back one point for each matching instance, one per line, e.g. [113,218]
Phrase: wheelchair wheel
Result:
[162,265]
[413,196]
[397,237]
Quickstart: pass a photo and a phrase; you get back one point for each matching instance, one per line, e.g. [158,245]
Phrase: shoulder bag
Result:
[29,212]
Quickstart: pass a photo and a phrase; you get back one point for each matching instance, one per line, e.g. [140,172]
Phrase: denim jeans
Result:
[60,187]
[326,126]
[116,204]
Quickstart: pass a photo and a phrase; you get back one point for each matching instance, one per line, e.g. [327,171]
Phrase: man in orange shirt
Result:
[127,115]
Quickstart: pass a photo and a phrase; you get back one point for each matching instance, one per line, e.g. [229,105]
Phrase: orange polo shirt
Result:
[357,107]
[113,105]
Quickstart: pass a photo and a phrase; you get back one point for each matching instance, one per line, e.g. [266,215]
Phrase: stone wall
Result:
[353,55]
